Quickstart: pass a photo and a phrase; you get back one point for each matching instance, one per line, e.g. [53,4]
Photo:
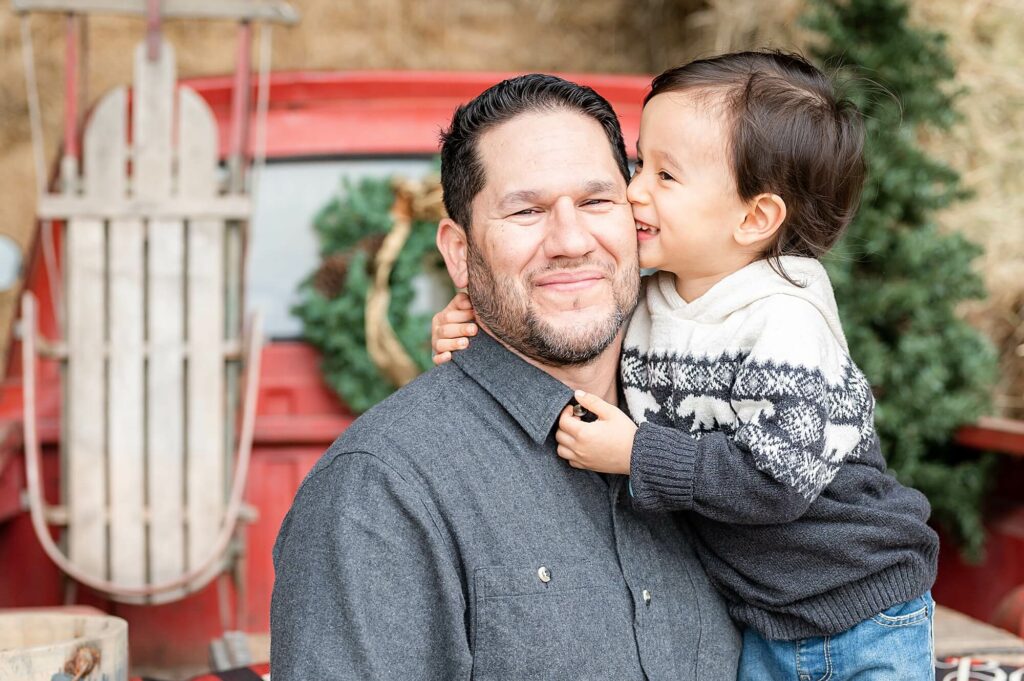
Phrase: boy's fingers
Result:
[448,345]
[593,403]
[456,330]
[563,438]
[569,423]
[442,357]
[566,453]
[455,316]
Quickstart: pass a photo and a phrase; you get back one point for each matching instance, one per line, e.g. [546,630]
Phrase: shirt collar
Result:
[531,396]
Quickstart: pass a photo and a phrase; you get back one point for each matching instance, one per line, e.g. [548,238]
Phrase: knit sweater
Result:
[754,418]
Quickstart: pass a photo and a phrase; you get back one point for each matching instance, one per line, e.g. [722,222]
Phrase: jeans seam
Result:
[908,620]
[828,659]
[931,632]
[883,619]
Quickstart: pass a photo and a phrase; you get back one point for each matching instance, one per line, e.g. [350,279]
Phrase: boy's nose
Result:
[636,190]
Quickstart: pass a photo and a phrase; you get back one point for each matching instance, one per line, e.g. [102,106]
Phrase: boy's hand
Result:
[449,330]
[603,445]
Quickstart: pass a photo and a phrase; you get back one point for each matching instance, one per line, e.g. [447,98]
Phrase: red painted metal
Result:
[994,434]
[11,474]
[256,669]
[978,589]
[384,112]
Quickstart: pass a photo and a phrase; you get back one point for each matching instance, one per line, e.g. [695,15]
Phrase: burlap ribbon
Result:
[415,200]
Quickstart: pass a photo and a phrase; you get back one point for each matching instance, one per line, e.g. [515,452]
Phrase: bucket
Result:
[47,646]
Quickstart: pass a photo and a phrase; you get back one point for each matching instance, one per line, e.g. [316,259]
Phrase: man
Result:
[441,537]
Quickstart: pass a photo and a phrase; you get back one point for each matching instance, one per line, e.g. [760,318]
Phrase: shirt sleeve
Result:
[365,587]
[797,421]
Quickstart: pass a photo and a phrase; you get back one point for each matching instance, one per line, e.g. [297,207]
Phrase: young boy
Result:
[752,416]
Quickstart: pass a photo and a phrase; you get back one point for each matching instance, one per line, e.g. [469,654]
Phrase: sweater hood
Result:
[748,285]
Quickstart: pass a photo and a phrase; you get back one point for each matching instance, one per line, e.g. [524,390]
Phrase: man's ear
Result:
[454,244]
[766,214]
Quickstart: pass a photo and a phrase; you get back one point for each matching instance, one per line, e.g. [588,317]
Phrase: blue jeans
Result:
[895,645]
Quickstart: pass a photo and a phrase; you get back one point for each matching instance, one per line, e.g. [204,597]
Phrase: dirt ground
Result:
[615,36]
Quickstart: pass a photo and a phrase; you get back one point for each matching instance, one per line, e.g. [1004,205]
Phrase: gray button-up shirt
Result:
[441,537]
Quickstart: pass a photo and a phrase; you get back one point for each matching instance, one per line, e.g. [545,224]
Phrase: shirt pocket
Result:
[559,620]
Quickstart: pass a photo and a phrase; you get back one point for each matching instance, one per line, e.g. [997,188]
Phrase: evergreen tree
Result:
[897,277]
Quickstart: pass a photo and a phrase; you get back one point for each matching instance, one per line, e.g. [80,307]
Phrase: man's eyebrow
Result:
[520,196]
[533,196]
[598,187]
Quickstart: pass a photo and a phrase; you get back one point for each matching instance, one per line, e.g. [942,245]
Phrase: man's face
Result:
[552,260]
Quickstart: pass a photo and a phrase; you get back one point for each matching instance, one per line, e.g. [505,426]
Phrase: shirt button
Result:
[544,574]
[647,597]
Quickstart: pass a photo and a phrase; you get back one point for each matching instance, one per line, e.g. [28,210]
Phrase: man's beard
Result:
[505,308]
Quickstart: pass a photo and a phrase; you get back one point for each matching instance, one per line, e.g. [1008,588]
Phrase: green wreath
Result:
[358,234]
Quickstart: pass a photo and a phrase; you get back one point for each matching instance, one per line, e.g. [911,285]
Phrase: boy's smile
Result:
[645,231]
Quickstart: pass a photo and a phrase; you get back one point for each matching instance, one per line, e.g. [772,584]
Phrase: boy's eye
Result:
[665,176]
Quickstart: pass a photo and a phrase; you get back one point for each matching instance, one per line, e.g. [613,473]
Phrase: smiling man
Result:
[441,537]
[551,257]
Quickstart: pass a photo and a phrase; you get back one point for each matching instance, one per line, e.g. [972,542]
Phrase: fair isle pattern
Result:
[798,427]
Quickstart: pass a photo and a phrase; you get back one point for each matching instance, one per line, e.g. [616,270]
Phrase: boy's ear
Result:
[767,213]
[454,245]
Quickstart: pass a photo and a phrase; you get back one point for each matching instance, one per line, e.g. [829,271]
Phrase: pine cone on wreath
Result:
[330,278]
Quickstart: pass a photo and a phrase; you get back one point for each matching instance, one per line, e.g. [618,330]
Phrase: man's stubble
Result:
[505,308]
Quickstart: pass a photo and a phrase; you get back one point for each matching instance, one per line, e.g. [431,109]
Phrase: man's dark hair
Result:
[790,135]
[462,172]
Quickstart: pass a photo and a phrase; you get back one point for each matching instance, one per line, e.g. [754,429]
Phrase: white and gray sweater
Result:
[753,416]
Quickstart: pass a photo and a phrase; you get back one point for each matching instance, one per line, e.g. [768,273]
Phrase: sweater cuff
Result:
[661,469]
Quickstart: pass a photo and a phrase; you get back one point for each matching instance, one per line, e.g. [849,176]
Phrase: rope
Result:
[414,201]
[382,342]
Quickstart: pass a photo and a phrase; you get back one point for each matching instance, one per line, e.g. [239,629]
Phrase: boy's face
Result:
[683,192]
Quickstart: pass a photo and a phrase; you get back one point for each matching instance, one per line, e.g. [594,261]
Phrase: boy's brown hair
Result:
[791,135]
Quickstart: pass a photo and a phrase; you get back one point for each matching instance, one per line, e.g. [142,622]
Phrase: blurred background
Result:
[930,279]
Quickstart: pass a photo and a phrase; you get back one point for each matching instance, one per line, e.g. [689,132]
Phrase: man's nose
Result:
[568,234]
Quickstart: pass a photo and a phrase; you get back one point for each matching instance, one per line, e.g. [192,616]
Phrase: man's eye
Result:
[595,202]
[527,211]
